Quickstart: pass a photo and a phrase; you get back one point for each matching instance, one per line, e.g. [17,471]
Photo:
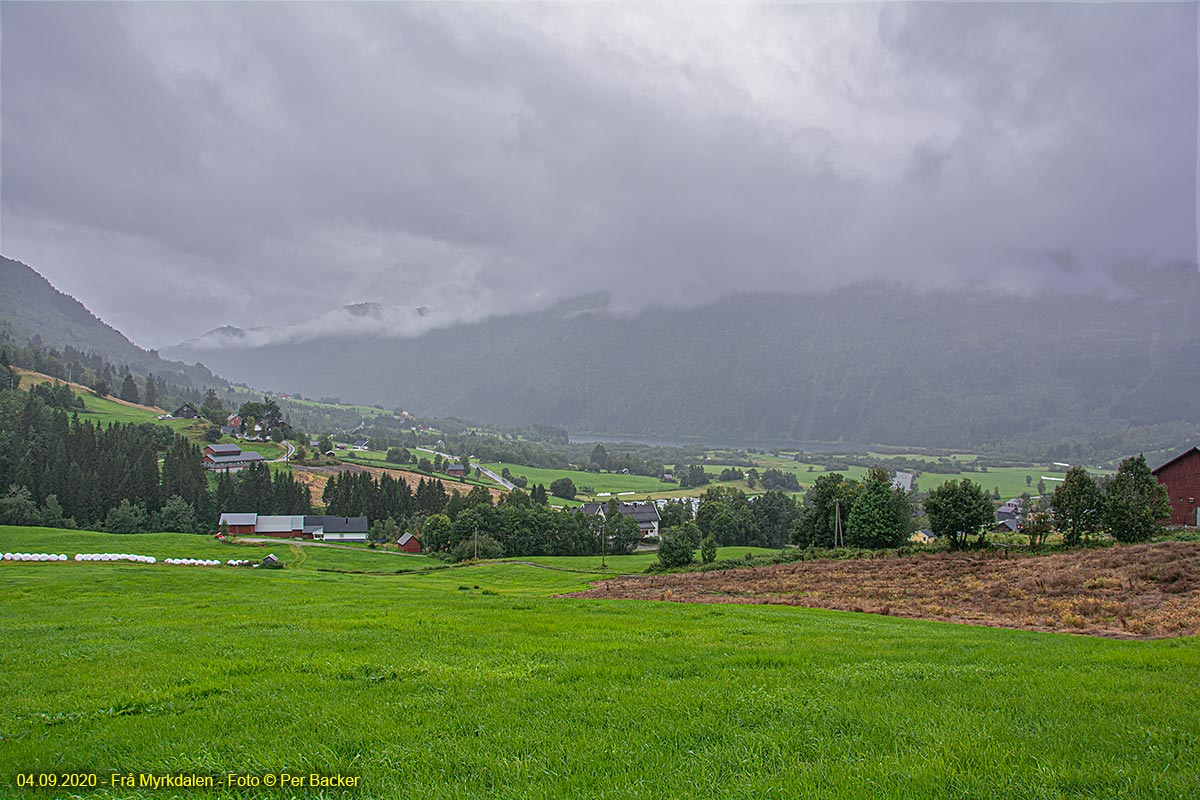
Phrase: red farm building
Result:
[1181,476]
[407,543]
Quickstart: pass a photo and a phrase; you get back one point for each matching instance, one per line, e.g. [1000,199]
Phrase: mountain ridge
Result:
[878,363]
[33,309]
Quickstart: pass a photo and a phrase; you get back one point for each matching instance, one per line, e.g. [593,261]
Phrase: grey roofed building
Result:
[223,449]
[640,512]
[644,514]
[238,519]
[336,524]
[240,458]
[903,481]
[404,539]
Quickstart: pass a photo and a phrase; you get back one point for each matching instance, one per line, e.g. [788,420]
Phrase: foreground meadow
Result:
[477,682]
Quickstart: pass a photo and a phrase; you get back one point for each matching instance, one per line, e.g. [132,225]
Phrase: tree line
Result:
[62,471]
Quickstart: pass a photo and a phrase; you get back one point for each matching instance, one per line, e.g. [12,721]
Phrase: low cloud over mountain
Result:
[224,163]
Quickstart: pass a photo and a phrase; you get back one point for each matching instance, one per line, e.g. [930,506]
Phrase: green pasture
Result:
[179,545]
[635,563]
[600,481]
[477,682]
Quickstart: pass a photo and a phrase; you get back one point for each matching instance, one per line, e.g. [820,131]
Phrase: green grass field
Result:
[635,563]
[176,545]
[477,683]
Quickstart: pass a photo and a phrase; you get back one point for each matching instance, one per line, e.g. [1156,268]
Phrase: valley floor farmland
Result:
[475,682]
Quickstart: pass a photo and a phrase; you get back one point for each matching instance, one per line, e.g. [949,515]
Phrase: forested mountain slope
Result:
[1071,373]
[30,307]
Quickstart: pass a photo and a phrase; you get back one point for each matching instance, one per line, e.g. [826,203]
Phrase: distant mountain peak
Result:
[355,319]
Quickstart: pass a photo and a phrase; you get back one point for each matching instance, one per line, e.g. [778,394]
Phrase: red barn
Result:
[1181,476]
[456,470]
[408,543]
[240,524]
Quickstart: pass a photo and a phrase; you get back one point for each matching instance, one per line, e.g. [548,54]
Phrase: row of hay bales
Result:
[184,562]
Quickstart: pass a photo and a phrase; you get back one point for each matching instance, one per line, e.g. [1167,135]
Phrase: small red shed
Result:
[408,543]
[1181,476]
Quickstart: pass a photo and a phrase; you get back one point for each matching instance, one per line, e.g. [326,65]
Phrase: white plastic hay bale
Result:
[151,560]
[8,556]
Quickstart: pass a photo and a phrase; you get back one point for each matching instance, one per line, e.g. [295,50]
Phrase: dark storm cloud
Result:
[218,163]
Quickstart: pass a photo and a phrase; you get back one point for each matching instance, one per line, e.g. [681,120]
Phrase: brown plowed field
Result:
[1135,591]
[315,479]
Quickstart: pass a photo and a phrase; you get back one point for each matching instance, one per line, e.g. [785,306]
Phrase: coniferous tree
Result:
[151,390]
[129,390]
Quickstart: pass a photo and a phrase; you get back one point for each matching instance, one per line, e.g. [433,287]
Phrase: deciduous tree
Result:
[958,509]
[1077,506]
[1134,502]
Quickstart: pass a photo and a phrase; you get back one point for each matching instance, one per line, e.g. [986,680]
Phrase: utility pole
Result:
[476,542]
[603,536]
[839,539]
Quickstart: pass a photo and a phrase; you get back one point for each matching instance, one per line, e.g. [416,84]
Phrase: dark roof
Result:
[240,458]
[1182,455]
[592,508]
[337,524]
[1011,524]
[186,407]
[224,449]
[640,512]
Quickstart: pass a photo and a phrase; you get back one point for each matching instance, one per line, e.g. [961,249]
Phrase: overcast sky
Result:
[183,166]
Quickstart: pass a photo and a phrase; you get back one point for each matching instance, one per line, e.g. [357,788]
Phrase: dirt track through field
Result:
[1135,591]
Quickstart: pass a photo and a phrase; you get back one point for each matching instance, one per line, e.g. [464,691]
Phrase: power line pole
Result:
[839,538]
[603,537]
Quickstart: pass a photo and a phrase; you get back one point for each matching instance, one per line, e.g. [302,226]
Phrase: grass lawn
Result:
[477,683]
